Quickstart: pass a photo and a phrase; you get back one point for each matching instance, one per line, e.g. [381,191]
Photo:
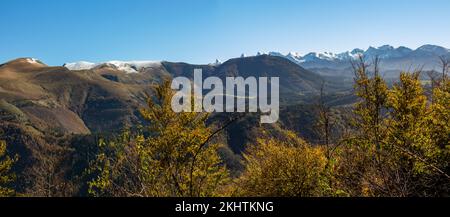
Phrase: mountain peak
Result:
[386,47]
[433,49]
[27,60]
[216,63]
[357,51]
[126,66]
[80,65]
[24,64]
[384,52]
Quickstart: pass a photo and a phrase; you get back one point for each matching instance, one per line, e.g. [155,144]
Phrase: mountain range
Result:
[384,52]
[393,60]
[37,100]
[85,97]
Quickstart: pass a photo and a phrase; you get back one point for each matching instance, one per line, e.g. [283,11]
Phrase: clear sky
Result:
[199,31]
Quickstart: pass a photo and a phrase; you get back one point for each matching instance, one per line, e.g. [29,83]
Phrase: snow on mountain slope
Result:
[403,55]
[384,52]
[81,65]
[33,61]
[126,66]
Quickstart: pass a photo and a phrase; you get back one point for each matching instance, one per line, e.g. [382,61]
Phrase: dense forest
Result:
[394,141]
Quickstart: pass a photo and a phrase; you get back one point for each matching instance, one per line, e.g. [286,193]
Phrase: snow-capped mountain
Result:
[81,65]
[393,59]
[383,52]
[33,61]
[216,63]
[126,66]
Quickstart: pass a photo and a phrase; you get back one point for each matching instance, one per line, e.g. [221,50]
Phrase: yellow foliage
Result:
[401,151]
[285,167]
[6,177]
[170,157]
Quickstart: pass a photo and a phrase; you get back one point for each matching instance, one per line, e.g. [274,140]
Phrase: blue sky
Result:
[199,31]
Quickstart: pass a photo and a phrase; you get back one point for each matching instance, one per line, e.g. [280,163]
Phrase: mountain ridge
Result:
[106,98]
[393,59]
[384,51]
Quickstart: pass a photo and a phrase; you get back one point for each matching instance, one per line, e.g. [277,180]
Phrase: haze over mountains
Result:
[384,52]
[393,60]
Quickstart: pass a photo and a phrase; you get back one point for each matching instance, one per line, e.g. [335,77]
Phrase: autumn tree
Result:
[325,119]
[440,133]
[171,156]
[440,114]
[286,166]
[360,154]
[48,175]
[445,66]
[370,110]
[400,144]
[6,176]
[408,136]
